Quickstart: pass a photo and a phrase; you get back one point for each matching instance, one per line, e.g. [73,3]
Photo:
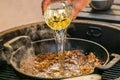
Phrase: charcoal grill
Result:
[106,33]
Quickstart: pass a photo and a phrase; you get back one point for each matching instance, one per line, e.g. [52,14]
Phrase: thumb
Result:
[45,3]
[78,5]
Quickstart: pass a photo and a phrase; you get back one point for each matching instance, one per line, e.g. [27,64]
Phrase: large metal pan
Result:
[22,47]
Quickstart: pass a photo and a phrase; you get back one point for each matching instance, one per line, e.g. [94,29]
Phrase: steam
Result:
[23,61]
[39,32]
[23,51]
[36,33]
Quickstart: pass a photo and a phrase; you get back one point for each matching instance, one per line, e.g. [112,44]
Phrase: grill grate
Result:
[8,73]
[112,73]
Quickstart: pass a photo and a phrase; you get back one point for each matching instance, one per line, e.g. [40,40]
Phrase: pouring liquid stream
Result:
[58,20]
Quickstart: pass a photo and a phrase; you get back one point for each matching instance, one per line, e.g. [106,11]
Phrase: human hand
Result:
[77,6]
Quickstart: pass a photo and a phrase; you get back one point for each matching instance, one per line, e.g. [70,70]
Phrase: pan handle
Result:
[14,44]
[112,62]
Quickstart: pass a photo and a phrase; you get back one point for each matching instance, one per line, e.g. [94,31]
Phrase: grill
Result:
[77,29]
[112,43]
[112,73]
[9,73]
[112,16]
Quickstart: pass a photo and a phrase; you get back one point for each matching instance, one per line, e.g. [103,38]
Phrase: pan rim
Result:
[54,39]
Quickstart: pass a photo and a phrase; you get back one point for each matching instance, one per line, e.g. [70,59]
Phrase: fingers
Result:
[78,5]
[45,3]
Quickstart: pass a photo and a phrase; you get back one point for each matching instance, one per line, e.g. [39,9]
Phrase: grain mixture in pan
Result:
[58,65]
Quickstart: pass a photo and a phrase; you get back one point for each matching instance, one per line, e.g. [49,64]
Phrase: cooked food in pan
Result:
[61,65]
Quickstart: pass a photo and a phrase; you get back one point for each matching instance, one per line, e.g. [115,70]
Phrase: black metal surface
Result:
[112,73]
[110,38]
[8,73]
[46,45]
